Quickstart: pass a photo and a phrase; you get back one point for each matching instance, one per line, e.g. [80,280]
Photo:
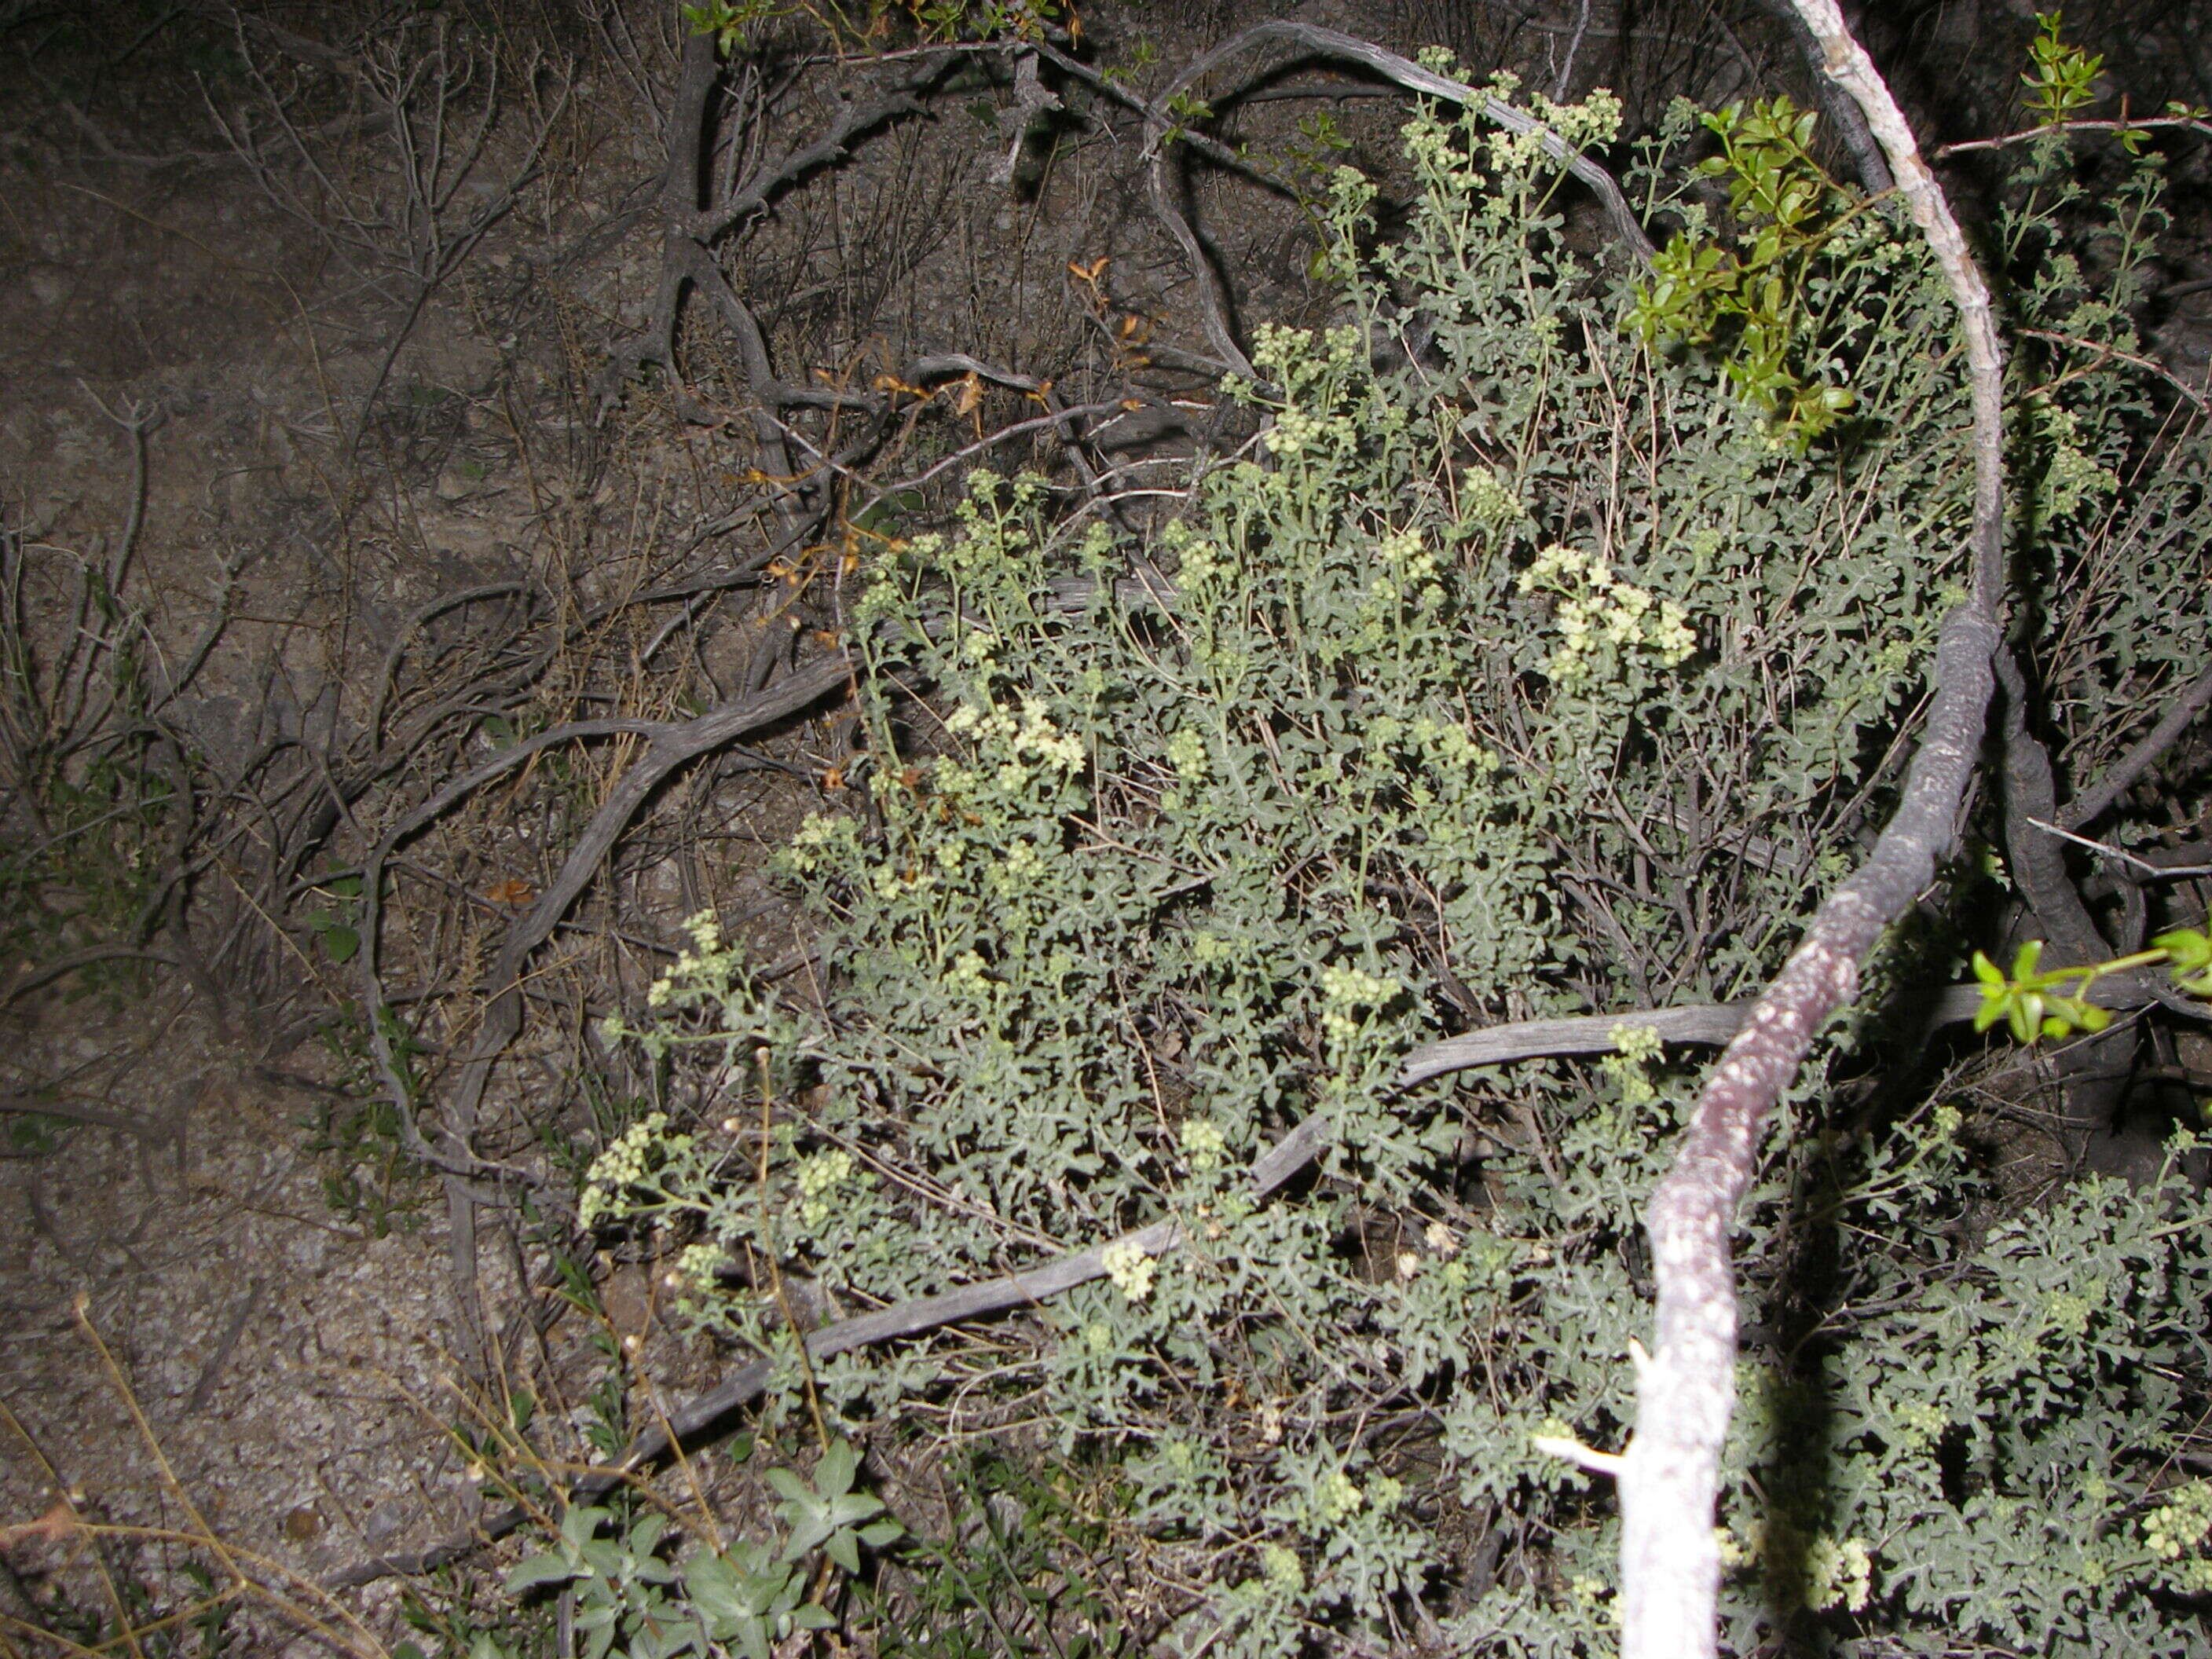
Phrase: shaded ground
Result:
[293,1370]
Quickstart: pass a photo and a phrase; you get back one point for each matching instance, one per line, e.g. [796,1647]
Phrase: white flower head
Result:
[1130,1268]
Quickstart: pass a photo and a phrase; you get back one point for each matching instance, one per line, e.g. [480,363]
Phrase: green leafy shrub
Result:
[1538,675]
[1756,293]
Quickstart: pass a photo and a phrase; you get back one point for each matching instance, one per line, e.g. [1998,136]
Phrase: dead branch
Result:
[2037,861]
[691,229]
[670,745]
[415,89]
[1411,75]
[1670,1563]
[2093,804]
[1158,124]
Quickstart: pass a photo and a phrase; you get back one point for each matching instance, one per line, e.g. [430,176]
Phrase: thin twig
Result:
[2154,124]
[2108,850]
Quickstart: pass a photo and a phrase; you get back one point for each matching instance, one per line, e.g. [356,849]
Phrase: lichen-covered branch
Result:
[1670,1561]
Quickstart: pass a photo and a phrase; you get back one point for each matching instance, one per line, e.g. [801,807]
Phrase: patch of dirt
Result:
[193,1342]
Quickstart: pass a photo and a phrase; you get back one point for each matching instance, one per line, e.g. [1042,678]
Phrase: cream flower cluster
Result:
[623,1164]
[1199,563]
[1636,1046]
[700,963]
[1407,554]
[1306,364]
[1838,1573]
[2178,1528]
[1596,608]
[1032,736]
[830,837]
[1203,1146]
[1344,991]
[695,1267]
[1485,500]
[1187,754]
[1130,1269]
[819,1177]
[1336,1499]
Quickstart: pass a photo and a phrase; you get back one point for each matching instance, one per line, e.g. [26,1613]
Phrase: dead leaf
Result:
[59,1523]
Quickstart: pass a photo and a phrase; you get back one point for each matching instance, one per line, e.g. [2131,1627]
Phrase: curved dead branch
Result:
[1405,73]
[1669,1475]
[670,745]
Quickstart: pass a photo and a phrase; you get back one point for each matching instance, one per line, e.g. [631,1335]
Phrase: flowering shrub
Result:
[1470,701]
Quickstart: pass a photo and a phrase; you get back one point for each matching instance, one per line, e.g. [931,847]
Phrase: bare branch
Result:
[1405,73]
[2093,804]
[2120,855]
[1670,1563]
[2028,134]
[673,745]
[771,178]
[1411,75]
